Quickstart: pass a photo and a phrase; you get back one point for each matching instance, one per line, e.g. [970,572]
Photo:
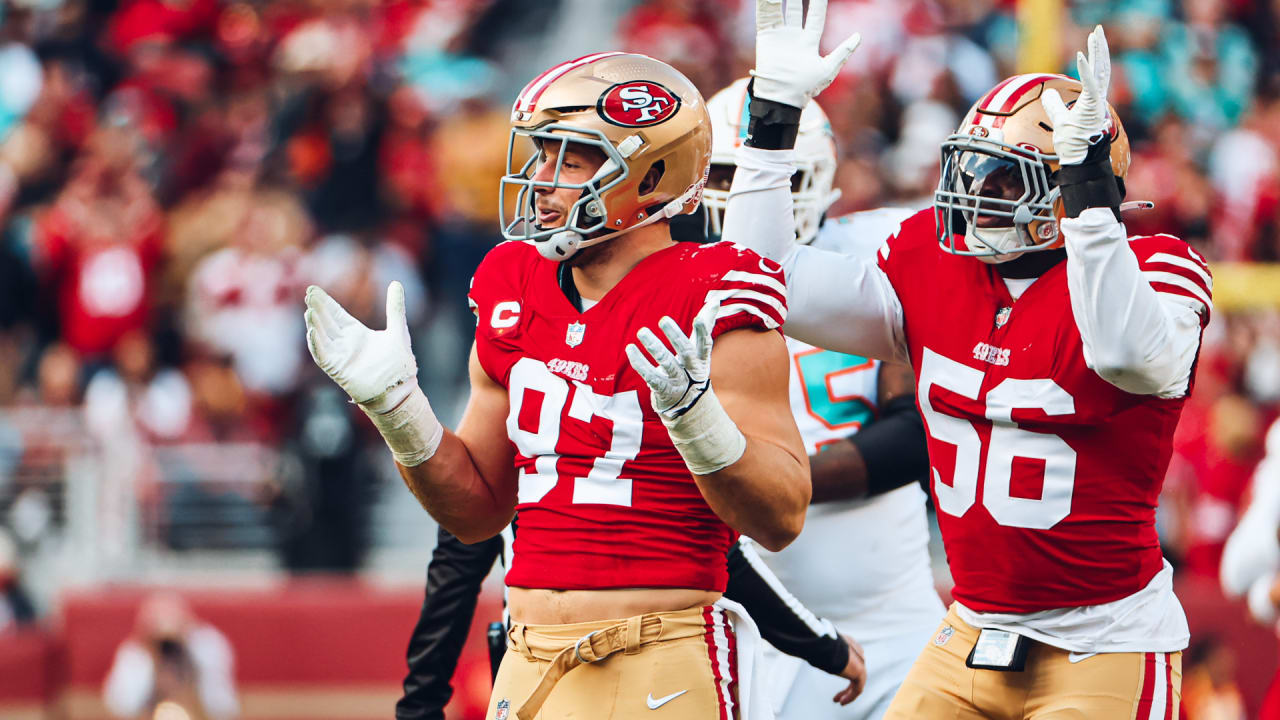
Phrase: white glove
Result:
[789,68]
[680,392]
[1086,122]
[679,380]
[377,369]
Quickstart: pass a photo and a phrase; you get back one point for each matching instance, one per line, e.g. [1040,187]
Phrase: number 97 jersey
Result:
[1044,475]
[604,498]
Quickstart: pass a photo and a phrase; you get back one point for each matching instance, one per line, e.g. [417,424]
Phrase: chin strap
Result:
[563,245]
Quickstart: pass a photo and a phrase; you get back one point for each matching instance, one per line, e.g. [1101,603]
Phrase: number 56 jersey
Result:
[1045,476]
[604,499]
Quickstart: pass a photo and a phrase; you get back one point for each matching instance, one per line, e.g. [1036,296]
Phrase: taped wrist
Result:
[894,447]
[705,436]
[771,125]
[409,427]
[1091,183]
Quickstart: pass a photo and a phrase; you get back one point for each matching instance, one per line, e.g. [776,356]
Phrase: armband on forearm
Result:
[771,125]
[894,447]
[1091,183]
[409,427]
[705,436]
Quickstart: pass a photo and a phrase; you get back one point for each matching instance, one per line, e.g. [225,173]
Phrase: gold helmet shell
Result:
[643,114]
[1000,164]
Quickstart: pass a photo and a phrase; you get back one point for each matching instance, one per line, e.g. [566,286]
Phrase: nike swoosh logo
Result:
[1077,657]
[655,704]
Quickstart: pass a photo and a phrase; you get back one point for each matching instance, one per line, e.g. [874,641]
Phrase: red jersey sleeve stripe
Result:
[732,295]
[1184,286]
[770,321]
[742,276]
[1190,267]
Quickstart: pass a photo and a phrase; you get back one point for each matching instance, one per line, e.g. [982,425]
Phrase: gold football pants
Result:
[1107,686]
[661,665]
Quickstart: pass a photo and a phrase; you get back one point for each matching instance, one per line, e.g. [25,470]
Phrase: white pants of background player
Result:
[800,692]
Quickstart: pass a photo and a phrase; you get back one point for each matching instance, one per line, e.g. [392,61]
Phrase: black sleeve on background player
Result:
[777,614]
[453,586]
[894,447]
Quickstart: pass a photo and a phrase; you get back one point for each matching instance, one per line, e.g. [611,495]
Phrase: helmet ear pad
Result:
[651,179]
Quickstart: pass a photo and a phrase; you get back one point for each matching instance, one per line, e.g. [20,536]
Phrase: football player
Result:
[631,469]
[457,571]
[1052,355]
[860,424]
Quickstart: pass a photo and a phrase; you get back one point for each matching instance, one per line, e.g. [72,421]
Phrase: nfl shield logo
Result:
[573,337]
[1002,316]
[500,713]
[944,635]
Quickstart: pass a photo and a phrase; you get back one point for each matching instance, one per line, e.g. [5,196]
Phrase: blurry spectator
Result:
[99,245]
[16,609]
[912,162]
[1209,689]
[20,79]
[933,54]
[1164,171]
[172,657]
[1207,484]
[1244,166]
[134,395]
[688,34]
[1209,66]
[320,504]
[244,301]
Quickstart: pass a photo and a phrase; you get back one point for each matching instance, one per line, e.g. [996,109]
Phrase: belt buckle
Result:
[577,648]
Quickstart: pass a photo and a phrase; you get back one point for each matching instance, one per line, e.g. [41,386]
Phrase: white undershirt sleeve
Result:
[834,301]
[1141,341]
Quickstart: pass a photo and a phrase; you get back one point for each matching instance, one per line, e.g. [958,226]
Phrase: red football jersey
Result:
[605,501]
[1045,476]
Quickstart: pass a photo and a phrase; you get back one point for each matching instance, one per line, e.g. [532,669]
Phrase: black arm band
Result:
[1091,183]
[894,447]
[772,125]
[453,584]
[783,621]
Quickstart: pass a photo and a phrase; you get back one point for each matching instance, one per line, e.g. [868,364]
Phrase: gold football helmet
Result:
[642,114]
[996,197]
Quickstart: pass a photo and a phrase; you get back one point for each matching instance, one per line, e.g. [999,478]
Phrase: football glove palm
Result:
[789,67]
[377,369]
[1087,122]
[680,392]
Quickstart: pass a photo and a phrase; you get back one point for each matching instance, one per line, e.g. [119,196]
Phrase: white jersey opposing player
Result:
[864,564]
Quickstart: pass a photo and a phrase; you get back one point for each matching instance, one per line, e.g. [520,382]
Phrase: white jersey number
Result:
[957,494]
[534,388]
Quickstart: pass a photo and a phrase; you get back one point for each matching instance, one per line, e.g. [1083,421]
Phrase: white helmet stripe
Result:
[529,96]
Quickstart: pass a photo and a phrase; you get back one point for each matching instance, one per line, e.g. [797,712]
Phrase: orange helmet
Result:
[1000,165]
[642,114]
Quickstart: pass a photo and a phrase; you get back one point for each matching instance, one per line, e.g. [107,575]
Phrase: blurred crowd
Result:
[173,173]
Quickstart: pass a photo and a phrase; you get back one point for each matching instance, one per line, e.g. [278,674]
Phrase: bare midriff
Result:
[534,606]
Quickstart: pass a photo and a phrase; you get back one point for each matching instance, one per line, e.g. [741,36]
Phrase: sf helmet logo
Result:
[637,104]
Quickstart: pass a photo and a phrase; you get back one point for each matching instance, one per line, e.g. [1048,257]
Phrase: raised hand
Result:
[367,364]
[1087,122]
[789,67]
